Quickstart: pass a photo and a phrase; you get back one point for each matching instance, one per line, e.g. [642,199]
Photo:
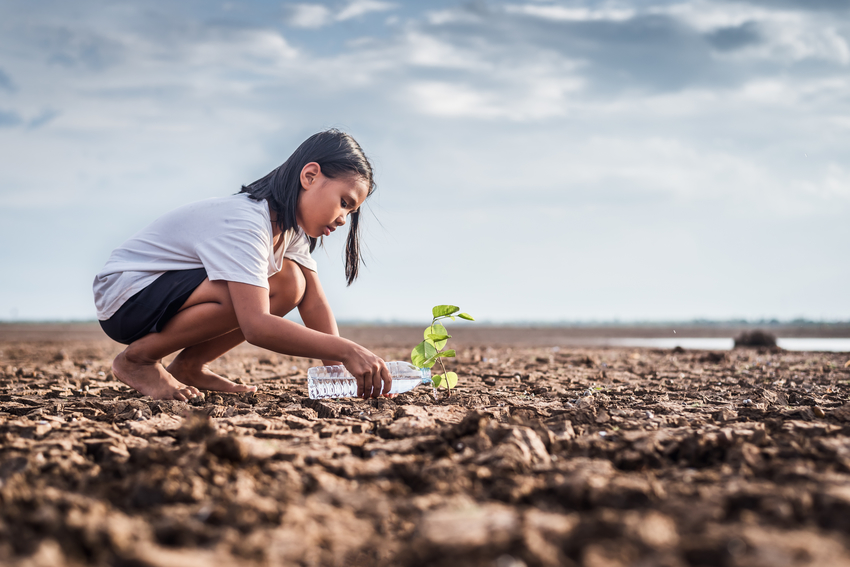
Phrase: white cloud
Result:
[313,16]
[257,51]
[531,96]
[803,98]
[785,34]
[429,51]
[812,42]
[710,15]
[834,186]
[565,14]
[452,16]
[310,16]
[452,100]
[358,8]
[771,91]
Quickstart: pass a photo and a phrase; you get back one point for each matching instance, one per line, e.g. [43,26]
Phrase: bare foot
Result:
[151,379]
[200,376]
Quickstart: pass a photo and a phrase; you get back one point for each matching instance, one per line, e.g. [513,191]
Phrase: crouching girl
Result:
[212,274]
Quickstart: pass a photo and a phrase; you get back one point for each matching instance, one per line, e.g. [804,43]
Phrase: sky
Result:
[536,161]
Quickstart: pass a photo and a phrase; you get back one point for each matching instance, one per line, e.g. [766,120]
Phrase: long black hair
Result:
[339,155]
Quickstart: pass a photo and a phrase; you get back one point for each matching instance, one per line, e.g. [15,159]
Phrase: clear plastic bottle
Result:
[337,382]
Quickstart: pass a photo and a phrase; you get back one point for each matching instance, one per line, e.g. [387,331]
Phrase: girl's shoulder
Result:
[239,201]
[231,207]
[217,215]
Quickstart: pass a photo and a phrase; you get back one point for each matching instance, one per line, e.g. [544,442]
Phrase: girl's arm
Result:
[315,310]
[261,328]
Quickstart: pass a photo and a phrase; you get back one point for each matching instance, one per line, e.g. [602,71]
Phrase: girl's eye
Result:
[344,204]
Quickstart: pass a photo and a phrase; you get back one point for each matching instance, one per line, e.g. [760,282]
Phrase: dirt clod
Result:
[541,457]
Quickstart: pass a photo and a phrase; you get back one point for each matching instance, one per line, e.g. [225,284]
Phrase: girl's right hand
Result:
[370,371]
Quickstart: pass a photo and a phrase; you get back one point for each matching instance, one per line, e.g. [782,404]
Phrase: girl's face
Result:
[325,202]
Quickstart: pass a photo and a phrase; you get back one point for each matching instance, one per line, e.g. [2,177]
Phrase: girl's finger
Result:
[367,384]
[379,383]
[387,378]
[370,384]
[360,385]
[368,393]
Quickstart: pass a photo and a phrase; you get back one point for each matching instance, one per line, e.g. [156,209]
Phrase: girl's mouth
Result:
[328,230]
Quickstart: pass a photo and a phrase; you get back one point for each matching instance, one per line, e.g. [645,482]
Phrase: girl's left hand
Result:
[371,372]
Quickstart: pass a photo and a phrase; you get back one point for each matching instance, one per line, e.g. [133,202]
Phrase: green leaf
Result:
[466,316]
[436,338]
[421,354]
[437,329]
[432,360]
[451,379]
[444,310]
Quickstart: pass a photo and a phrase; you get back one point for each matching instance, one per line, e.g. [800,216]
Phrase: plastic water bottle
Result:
[337,382]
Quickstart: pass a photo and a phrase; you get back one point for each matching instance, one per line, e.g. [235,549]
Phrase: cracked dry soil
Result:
[541,457]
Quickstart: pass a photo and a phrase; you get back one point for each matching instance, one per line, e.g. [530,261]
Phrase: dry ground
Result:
[542,456]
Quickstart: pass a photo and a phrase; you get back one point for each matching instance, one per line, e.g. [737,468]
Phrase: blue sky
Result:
[536,160]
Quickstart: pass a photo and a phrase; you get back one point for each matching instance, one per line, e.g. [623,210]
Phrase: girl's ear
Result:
[309,175]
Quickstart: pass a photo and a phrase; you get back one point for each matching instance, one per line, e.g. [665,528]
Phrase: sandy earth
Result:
[475,334]
[541,457]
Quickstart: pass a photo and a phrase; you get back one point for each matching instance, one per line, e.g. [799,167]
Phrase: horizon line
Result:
[529,322]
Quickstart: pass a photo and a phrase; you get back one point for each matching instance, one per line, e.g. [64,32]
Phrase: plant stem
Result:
[440,360]
[446,378]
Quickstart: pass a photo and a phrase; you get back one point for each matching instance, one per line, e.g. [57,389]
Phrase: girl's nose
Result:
[340,221]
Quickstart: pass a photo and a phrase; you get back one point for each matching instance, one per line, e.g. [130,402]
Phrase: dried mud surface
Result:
[541,457]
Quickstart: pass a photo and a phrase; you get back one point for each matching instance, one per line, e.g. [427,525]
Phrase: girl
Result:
[212,274]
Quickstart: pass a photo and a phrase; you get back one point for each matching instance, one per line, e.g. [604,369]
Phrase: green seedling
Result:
[430,351]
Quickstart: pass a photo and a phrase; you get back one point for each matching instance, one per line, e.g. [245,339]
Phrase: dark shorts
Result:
[149,310]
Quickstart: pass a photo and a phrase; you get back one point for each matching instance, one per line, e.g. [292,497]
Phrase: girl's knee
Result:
[286,288]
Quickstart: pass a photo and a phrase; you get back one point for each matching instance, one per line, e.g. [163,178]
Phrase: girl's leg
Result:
[207,315]
[191,366]
[286,289]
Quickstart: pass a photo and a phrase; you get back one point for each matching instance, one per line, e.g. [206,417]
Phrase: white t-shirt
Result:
[231,237]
